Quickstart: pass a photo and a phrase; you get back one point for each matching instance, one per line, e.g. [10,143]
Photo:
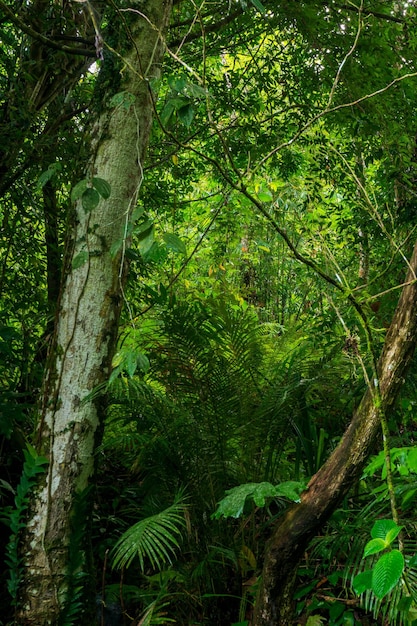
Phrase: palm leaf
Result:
[154,538]
[151,617]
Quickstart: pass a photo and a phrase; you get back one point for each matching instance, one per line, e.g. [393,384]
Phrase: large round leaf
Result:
[90,199]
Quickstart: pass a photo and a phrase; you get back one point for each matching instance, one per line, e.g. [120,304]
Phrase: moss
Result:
[108,80]
[117,35]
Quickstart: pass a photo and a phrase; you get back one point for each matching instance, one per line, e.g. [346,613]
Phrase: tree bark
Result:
[53,257]
[332,482]
[86,331]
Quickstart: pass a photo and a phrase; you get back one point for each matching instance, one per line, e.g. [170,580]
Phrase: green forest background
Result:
[267,252]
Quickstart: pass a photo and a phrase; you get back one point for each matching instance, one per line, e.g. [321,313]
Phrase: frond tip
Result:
[154,538]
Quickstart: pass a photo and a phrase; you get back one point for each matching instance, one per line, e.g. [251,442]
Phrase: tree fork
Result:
[86,331]
[332,482]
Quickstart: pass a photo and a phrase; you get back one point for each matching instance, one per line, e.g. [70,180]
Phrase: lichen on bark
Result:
[86,328]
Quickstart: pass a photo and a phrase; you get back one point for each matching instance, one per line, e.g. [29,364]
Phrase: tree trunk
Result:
[332,482]
[53,257]
[54,545]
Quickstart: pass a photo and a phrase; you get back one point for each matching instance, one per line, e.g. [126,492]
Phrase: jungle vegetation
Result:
[208,304]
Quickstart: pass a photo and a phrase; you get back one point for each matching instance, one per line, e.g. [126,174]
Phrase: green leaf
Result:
[333,578]
[154,538]
[115,247]
[290,489]
[258,5]
[166,113]
[143,362]
[265,196]
[387,572]
[405,603]
[137,213]
[174,243]
[177,83]
[90,199]
[362,582]
[117,359]
[262,492]
[102,186]
[5,485]
[374,546]
[375,464]
[412,460]
[131,363]
[48,174]
[408,497]
[315,620]
[348,619]
[172,105]
[413,561]
[115,373]
[146,241]
[44,178]
[32,452]
[381,528]
[143,227]
[233,503]
[78,190]
[336,610]
[79,260]
[186,114]
[393,534]
[196,91]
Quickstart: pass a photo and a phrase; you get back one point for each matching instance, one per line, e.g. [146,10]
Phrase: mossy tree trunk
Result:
[86,329]
[333,481]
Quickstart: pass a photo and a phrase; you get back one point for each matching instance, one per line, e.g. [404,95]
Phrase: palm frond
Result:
[154,538]
[154,615]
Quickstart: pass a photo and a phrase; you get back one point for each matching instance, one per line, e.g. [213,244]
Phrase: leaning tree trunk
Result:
[86,327]
[331,483]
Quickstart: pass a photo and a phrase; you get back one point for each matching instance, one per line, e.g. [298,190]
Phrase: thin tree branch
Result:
[216,26]
[348,54]
[327,110]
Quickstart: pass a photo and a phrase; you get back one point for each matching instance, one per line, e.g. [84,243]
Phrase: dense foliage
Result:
[266,255]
